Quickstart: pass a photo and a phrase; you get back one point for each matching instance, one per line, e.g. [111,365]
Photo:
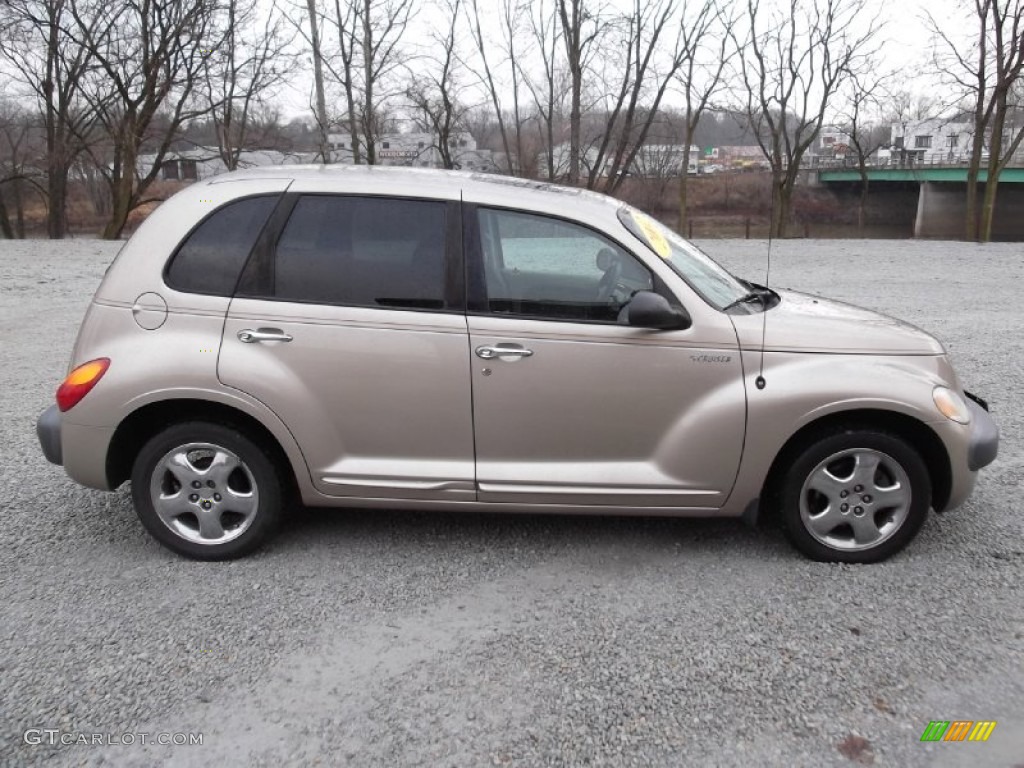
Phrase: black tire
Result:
[895,456]
[247,512]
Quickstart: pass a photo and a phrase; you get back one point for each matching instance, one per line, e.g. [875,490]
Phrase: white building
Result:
[419,149]
[655,160]
[651,161]
[931,142]
[833,141]
[415,149]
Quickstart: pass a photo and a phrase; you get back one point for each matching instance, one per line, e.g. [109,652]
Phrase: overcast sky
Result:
[906,48]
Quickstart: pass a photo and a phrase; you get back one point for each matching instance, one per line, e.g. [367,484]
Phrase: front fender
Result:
[801,388]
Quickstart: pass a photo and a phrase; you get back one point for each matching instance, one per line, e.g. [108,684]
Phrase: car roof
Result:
[426,182]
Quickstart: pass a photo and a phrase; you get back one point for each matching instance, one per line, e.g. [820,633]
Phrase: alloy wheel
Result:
[204,493]
[855,499]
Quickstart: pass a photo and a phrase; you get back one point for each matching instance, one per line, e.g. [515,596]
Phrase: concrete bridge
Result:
[942,196]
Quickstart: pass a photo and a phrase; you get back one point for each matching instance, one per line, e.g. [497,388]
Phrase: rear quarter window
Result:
[212,256]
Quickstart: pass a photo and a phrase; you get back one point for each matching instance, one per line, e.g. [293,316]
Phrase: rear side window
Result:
[363,251]
[211,258]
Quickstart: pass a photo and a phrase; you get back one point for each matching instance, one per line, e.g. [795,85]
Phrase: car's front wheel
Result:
[856,496]
[206,491]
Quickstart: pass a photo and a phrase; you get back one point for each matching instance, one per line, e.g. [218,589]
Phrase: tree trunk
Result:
[19,208]
[683,215]
[122,192]
[988,208]
[574,130]
[782,203]
[5,223]
[353,129]
[684,173]
[369,117]
[862,204]
[995,153]
[56,187]
[118,219]
[785,203]
[551,147]
[56,166]
[973,171]
[318,79]
[986,215]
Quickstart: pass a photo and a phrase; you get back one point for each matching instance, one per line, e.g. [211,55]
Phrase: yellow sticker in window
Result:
[653,234]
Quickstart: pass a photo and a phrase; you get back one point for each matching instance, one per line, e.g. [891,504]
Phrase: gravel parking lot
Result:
[394,639]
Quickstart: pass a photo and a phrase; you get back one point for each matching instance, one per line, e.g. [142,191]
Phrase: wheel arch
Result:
[144,422]
[918,434]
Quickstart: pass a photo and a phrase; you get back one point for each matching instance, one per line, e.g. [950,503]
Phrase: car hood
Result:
[804,323]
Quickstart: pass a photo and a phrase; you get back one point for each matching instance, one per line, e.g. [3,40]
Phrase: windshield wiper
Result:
[765,296]
[747,298]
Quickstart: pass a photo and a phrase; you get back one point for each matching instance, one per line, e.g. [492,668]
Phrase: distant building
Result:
[651,161]
[415,149]
[832,141]
[203,162]
[932,142]
[654,160]
[940,142]
[742,156]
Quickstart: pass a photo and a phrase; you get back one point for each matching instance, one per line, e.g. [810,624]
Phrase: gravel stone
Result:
[399,639]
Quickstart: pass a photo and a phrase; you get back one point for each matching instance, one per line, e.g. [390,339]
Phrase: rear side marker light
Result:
[80,381]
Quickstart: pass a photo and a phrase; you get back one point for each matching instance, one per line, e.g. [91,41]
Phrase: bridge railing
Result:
[928,160]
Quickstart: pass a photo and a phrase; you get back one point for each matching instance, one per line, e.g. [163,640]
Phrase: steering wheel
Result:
[609,261]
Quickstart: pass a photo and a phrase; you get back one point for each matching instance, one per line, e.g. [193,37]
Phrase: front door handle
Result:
[502,351]
[250,336]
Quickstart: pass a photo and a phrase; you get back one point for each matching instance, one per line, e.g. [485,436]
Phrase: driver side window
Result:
[546,268]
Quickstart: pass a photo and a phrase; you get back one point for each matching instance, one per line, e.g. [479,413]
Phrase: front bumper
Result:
[984,444]
[48,432]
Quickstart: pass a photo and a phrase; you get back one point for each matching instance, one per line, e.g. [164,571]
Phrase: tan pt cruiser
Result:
[410,339]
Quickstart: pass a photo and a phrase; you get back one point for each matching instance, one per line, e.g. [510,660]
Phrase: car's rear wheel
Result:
[206,491]
[857,496]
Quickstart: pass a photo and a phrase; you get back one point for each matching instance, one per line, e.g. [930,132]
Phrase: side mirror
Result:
[648,309]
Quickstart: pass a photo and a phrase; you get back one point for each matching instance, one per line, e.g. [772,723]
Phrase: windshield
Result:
[708,278]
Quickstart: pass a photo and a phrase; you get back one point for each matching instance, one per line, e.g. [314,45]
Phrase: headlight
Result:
[951,405]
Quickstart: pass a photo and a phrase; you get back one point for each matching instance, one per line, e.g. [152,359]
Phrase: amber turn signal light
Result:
[80,381]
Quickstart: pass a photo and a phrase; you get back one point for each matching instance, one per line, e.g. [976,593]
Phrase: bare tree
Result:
[511,14]
[656,165]
[511,135]
[250,62]
[152,56]
[382,24]
[346,16]
[320,100]
[861,121]
[21,147]
[55,67]
[628,119]
[436,94]
[795,57]
[987,69]
[581,27]
[549,93]
[704,45]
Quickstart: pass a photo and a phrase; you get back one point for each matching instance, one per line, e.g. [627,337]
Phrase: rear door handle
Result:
[501,350]
[250,336]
